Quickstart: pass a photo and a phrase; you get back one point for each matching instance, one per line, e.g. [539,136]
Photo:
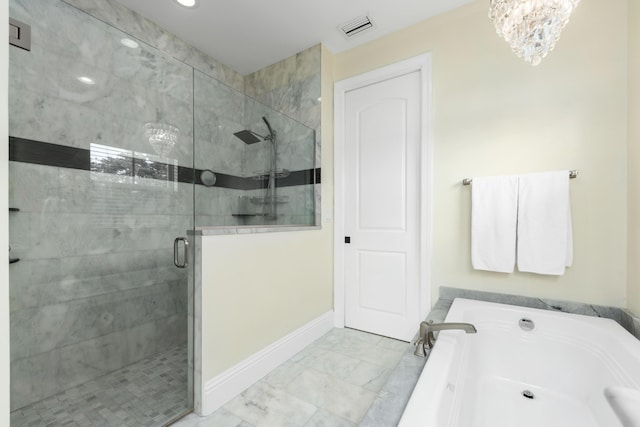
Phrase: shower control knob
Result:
[12,260]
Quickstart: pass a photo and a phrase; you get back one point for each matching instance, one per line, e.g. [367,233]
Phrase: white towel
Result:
[545,237]
[494,208]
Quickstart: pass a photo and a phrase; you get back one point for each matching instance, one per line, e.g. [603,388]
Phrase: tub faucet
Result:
[426,339]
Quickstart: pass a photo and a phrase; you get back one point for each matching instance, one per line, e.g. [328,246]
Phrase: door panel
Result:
[384,273]
[382,192]
[381,166]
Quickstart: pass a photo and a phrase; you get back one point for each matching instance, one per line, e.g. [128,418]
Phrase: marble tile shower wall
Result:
[298,209]
[119,16]
[95,289]
[295,152]
[52,101]
[220,111]
[295,140]
[292,86]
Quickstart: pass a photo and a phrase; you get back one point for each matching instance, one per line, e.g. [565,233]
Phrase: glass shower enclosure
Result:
[116,150]
[100,187]
[264,161]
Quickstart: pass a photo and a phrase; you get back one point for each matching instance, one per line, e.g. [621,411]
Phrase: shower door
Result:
[101,183]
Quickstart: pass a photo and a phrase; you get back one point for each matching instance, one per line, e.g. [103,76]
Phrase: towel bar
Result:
[572,174]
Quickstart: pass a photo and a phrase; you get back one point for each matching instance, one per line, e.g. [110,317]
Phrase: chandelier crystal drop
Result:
[531,27]
[162,137]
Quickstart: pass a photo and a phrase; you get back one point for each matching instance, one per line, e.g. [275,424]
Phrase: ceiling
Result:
[248,35]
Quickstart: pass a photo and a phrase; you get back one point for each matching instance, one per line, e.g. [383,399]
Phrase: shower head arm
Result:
[272,133]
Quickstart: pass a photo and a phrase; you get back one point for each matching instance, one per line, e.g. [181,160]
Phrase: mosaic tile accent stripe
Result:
[44,153]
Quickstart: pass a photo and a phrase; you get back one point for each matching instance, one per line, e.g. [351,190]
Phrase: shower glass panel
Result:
[263,161]
[99,332]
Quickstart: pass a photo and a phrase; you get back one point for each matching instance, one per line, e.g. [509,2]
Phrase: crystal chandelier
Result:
[162,137]
[531,27]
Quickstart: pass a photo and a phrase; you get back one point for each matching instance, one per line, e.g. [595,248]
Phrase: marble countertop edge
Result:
[226,230]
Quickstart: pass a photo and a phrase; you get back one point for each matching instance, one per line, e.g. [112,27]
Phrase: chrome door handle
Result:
[176,257]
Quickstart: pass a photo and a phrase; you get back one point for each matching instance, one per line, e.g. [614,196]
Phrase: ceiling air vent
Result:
[356,26]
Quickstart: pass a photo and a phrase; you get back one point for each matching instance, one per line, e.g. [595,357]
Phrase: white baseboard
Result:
[224,387]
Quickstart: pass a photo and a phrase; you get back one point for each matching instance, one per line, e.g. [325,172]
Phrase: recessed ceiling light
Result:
[187,3]
[86,80]
[130,43]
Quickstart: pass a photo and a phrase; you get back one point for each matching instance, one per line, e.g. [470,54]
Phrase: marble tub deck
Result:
[389,405]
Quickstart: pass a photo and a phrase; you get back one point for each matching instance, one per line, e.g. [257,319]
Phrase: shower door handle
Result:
[176,256]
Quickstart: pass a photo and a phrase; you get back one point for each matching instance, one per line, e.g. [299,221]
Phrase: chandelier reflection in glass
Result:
[531,27]
[162,137]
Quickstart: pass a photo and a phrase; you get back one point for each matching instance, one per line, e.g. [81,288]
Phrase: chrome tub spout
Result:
[427,339]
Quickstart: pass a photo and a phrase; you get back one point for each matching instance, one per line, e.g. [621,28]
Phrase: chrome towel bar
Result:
[572,174]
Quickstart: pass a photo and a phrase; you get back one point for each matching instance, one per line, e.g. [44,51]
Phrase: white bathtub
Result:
[582,371]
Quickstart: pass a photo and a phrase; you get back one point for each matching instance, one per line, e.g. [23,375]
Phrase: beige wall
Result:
[257,288]
[495,114]
[634,157]
[4,224]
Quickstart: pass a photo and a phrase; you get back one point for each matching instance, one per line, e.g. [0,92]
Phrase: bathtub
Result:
[569,370]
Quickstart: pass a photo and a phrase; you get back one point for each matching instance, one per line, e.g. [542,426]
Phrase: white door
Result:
[382,206]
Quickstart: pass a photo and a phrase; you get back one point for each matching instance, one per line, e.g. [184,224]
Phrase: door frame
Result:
[421,63]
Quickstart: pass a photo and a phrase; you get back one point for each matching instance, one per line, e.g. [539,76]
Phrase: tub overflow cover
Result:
[526,324]
[528,394]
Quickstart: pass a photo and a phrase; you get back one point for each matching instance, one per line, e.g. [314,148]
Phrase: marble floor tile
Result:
[333,394]
[332,382]
[324,418]
[220,418]
[347,338]
[369,376]
[348,368]
[285,373]
[391,344]
[371,352]
[264,405]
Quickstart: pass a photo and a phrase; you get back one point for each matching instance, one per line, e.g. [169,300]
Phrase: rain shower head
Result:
[248,137]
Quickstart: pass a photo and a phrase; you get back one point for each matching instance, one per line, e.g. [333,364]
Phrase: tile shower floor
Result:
[332,383]
[148,393]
